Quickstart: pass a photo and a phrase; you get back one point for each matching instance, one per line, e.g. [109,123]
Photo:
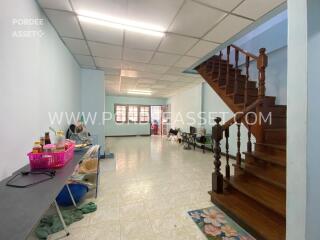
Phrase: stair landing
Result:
[259,221]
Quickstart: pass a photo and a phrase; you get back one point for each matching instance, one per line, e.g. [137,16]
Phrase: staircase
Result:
[256,195]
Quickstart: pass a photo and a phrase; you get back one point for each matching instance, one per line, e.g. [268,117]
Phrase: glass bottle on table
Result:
[36,147]
[42,142]
[60,141]
[47,139]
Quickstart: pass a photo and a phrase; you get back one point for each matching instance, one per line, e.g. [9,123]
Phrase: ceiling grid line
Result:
[83,34]
[134,61]
[54,27]
[221,20]
[157,49]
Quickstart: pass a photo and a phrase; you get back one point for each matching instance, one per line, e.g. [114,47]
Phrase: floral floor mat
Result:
[216,225]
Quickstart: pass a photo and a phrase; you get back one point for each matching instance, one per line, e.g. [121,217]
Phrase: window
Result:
[121,113]
[133,113]
[144,114]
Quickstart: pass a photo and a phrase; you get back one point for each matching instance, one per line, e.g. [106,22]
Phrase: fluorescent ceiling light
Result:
[140,92]
[129,73]
[120,23]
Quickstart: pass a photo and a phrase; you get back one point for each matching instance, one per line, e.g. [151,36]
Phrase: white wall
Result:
[186,101]
[92,102]
[203,99]
[37,75]
[212,103]
[297,120]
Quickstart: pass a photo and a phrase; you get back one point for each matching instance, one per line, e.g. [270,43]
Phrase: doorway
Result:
[156,120]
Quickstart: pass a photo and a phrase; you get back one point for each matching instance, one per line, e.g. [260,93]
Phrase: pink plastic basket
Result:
[51,160]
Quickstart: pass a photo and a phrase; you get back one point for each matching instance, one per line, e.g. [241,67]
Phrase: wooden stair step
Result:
[223,64]
[241,84]
[224,69]
[277,110]
[215,64]
[241,81]
[267,195]
[215,74]
[276,121]
[240,99]
[273,175]
[271,149]
[261,222]
[251,84]
[250,93]
[269,158]
[216,58]
[275,136]
[268,101]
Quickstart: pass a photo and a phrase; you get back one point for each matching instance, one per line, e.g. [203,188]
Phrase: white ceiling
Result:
[133,60]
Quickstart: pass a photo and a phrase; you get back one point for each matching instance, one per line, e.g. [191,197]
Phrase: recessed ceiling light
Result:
[120,23]
[129,73]
[140,92]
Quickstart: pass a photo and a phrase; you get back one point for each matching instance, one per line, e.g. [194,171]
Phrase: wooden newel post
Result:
[262,63]
[217,177]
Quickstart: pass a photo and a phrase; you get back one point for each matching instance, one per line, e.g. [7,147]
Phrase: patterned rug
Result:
[216,225]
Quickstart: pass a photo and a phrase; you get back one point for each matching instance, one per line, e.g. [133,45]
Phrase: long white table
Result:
[21,208]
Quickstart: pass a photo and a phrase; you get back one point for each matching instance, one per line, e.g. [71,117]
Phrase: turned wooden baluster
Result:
[247,82]
[217,177]
[219,73]
[236,58]
[238,157]
[226,134]
[249,143]
[262,63]
[228,68]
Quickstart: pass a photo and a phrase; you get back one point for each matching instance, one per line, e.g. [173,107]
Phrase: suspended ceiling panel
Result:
[132,60]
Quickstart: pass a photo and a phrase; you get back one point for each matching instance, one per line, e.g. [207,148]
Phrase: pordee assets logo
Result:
[27,27]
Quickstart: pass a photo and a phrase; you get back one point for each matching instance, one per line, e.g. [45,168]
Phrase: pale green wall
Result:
[92,102]
[114,129]
[38,75]
[313,115]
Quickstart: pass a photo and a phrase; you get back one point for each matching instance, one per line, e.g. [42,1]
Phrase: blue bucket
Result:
[78,191]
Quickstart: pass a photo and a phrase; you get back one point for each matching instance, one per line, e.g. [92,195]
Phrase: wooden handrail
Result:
[236,117]
[233,80]
[245,52]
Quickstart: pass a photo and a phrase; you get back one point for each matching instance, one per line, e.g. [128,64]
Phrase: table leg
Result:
[97,178]
[61,218]
[71,196]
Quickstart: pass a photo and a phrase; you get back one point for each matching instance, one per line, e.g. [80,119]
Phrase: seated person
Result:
[173,132]
[79,133]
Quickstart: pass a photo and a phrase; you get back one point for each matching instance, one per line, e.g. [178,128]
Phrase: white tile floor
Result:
[146,192]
